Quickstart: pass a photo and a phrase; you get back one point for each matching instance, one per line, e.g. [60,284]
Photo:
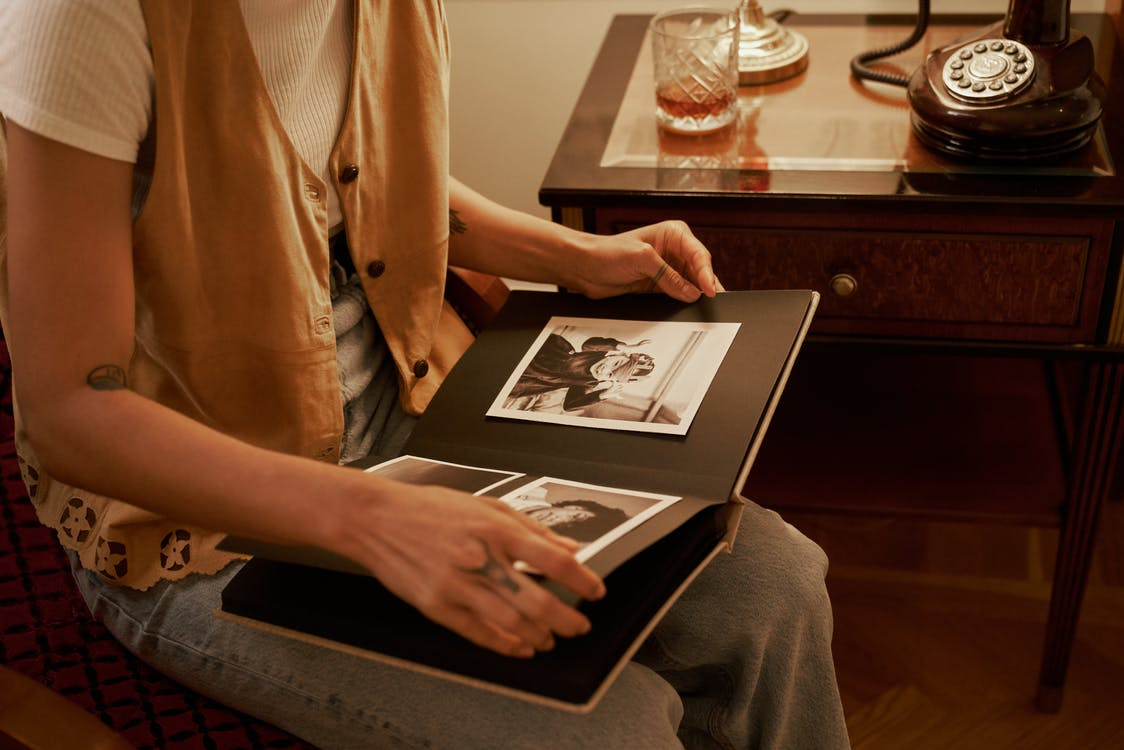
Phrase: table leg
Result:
[1098,443]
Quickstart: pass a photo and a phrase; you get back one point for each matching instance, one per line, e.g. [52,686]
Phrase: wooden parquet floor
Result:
[939,628]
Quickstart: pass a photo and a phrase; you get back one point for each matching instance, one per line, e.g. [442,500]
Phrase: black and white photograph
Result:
[416,470]
[593,516]
[634,375]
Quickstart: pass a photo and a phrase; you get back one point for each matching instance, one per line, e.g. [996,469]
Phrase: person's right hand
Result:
[451,555]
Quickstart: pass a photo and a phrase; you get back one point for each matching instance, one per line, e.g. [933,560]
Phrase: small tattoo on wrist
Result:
[456,223]
[106,378]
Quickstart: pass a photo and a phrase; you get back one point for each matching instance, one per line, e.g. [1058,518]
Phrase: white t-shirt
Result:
[80,72]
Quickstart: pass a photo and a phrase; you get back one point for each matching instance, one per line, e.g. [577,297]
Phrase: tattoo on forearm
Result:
[493,572]
[456,223]
[106,378]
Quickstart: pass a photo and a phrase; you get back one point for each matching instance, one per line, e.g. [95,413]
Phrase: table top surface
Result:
[818,133]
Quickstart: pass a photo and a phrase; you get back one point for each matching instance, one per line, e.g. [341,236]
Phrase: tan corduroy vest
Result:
[234,325]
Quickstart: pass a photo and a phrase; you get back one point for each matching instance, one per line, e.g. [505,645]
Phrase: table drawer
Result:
[979,286]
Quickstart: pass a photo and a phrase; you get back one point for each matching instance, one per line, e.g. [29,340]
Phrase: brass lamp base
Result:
[767,51]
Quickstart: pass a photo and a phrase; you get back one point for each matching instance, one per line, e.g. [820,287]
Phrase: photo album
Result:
[628,424]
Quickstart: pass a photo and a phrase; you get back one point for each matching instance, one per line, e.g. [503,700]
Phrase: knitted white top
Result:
[80,72]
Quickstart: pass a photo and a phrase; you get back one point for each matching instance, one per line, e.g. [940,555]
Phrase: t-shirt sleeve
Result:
[78,72]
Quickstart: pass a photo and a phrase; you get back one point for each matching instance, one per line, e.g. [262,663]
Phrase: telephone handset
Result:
[1023,88]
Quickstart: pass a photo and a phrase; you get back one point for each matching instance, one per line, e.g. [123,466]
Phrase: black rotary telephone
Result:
[1024,88]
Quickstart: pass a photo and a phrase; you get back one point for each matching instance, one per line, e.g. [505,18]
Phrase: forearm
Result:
[440,550]
[664,257]
[491,238]
[122,445]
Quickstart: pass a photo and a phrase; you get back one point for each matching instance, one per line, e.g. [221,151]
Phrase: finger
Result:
[672,283]
[531,524]
[505,617]
[558,565]
[524,611]
[655,280]
[536,613]
[708,281]
[571,545]
[468,625]
[468,603]
[702,272]
[552,555]
[516,604]
[693,256]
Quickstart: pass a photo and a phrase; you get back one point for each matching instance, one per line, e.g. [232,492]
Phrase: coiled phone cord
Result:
[859,62]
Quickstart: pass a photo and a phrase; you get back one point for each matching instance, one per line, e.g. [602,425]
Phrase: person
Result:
[580,519]
[599,371]
[227,230]
[584,521]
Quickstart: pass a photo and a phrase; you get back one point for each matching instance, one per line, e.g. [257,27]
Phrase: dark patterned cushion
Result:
[47,633]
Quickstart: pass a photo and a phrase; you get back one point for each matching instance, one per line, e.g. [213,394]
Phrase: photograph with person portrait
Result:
[592,515]
[417,470]
[616,374]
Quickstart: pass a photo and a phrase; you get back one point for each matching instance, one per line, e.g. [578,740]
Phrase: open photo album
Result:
[628,424]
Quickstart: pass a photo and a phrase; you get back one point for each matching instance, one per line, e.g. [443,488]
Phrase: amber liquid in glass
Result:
[702,113]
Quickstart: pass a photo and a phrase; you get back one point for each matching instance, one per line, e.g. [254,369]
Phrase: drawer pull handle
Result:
[843,284]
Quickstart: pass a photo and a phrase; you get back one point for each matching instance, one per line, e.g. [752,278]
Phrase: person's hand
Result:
[452,556]
[664,257]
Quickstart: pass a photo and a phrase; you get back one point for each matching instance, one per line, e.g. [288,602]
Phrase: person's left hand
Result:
[664,257]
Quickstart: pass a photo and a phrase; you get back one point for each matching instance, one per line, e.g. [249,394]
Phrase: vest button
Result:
[376,268]
[349,173]
[421,368]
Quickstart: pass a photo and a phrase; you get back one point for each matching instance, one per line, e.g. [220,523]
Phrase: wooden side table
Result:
[967,360]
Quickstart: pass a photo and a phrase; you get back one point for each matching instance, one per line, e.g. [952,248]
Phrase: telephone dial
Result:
[1023,88]
[990,70]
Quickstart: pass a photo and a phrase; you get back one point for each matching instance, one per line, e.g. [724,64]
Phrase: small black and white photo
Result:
[635,375]
[417,470]
[593,516]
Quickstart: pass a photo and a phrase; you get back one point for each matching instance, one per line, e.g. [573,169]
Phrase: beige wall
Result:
[519,65]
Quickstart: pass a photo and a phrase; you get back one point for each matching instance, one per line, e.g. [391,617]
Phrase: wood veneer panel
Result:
[985,279]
